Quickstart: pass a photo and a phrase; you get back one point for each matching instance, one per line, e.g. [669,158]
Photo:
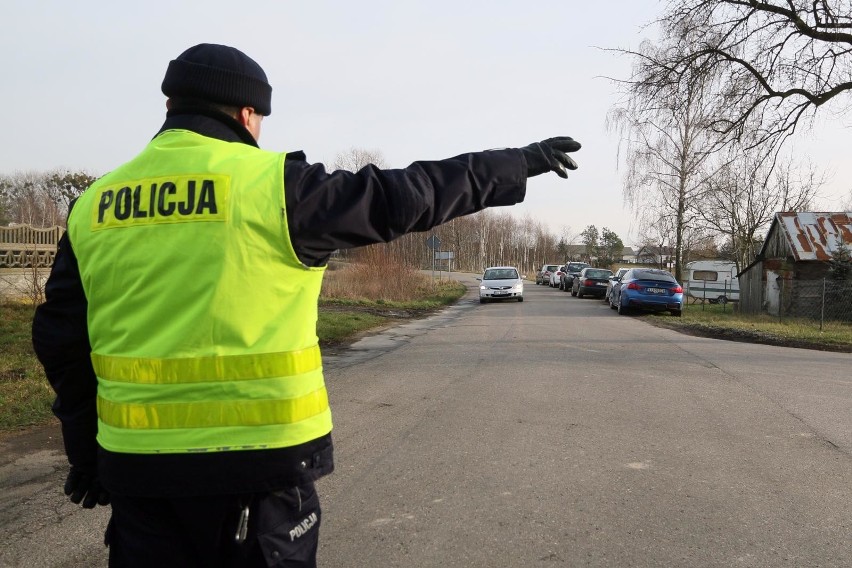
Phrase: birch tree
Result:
[744,196]
[667,145]
[776,61]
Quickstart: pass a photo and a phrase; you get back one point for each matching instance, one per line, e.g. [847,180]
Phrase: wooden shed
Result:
[790,272]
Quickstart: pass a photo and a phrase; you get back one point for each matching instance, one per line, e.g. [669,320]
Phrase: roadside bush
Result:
[376,275]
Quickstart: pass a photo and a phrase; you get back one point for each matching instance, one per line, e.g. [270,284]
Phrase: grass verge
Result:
[26,396]
[342,319]
[722,322]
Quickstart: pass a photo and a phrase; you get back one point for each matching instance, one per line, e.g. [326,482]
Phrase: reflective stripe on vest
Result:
[202,320]
[277,368]
[206,369]
[213,414]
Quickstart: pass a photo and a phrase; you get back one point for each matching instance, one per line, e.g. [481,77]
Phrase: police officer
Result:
[179,330]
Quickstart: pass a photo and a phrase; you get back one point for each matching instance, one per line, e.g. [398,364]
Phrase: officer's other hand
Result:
[84,486]
[551,155]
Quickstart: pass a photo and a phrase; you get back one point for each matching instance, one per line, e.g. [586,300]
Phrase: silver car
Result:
[613,279]
[501,283]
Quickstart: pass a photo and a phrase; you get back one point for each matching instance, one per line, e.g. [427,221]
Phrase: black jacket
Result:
[325,212]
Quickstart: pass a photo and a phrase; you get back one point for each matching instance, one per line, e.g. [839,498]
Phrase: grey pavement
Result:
[551,432]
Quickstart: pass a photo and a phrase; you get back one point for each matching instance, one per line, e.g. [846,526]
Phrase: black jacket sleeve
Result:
[339,210]
[61,343]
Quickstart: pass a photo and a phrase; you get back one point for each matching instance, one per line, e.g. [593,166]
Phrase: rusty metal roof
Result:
[814,236]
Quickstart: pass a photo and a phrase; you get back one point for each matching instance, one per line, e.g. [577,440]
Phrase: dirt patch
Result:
[22,442]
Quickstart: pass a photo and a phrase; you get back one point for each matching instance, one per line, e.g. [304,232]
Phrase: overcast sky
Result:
[410,80]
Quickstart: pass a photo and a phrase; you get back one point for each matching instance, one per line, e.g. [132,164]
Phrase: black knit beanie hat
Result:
[219,74]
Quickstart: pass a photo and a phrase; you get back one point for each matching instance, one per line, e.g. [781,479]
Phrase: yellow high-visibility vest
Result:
[202,320]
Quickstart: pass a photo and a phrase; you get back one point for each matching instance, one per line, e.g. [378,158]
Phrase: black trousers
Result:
[282,530]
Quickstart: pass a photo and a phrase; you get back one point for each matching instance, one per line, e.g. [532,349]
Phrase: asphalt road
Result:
[551,432]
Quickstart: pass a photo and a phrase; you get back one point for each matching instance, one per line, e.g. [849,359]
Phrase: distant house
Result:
[657,256]
[628,255]
[576,252]
[787,277]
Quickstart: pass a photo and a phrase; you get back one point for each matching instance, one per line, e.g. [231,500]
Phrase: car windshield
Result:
[500,274]
[661,275]
[598,273]
[576,266]
[550,267]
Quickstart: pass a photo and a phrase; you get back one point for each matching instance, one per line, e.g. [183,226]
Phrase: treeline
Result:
[483,239]
[41,199]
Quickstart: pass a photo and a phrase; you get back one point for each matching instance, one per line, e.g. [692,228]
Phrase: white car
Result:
[556,277]
[501,283]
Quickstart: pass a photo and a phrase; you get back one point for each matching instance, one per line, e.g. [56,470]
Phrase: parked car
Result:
[501,283]
[572,269]
[614,278]
[647,289]
[556,277]
[591,282]
[543,275]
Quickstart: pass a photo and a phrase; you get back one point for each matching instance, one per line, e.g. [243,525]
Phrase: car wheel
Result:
[622,309]
[520,298]
[722,299]
[573,292]
[676,313]
[611,305]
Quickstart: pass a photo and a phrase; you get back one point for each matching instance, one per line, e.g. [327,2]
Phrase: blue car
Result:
[647,289]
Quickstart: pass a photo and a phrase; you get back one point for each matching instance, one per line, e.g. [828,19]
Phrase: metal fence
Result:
[820,300]
[713,292]
[823,300]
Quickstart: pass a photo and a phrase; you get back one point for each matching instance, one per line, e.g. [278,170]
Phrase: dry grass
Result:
[723,321]
[355,298]
[25,395]
[377,277]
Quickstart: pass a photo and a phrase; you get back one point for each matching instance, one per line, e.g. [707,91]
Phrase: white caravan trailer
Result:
[712,280]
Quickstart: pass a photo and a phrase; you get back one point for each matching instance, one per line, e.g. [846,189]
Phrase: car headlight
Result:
[483,288]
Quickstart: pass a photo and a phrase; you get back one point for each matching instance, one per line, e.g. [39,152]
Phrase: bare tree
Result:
[65,186]
[28,202]
[356,158]
[667,143]
[743,198]
[655,236]
[776,61]
[41,199]
[847,205]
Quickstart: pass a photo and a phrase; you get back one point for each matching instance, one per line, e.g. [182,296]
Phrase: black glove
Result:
[550,156]
[84,486]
